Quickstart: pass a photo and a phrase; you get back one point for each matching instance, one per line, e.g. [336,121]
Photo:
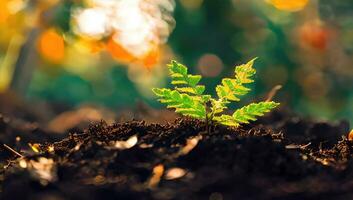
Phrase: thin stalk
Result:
[207,124]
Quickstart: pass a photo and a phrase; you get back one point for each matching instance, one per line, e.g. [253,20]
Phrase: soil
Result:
[280,156]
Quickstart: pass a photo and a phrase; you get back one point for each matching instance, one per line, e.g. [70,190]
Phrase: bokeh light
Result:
[111,52]
[289,5]
[91,22]
[51,46]
[315,35]
[136,28]
[210,65]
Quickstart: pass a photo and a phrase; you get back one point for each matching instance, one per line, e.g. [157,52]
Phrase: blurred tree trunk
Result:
[25,65]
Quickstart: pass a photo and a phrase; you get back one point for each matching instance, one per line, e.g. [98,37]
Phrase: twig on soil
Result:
[12,150]
[9,163]
[295,146]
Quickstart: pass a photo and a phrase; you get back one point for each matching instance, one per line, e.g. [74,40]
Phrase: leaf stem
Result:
[207,121]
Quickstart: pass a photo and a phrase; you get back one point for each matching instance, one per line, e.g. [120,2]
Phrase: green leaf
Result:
[177,80]
[243,73]
[182,103]
[180,77]
[193,80]
[197,90]
[200,89]
[226,120]
[233,89]
[158,92]
[179,73]
[217,106]
[187,97]
[206,98]
[247,113]
[177,68]
[186,90]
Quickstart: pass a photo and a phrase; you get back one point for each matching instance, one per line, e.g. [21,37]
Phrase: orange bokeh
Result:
[3,16]
[51,46]
[314,35]
[4,13]
[118,52]
[152,58]
[289,5]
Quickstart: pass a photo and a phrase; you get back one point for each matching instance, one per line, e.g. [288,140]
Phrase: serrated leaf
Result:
[186,90]
[177,68]
[182,103]
[188,99]
[226,120]
[157,91]
[186,82]
[206,98]
[233,89]
[217,106]
[243,73]
[193,80]
[198,90]
[247,113]
[179,80]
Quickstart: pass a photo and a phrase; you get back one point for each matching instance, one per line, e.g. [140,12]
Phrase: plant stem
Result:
[207,119]
[207,123]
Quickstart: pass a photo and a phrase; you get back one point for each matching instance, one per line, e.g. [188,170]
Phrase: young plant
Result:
[188,98]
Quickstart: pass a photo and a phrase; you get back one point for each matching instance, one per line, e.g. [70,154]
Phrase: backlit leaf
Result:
[233,89]
[247,113]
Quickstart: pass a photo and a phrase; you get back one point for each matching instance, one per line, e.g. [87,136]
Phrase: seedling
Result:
[188,98]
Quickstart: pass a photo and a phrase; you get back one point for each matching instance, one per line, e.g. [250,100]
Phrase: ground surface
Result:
[278,157]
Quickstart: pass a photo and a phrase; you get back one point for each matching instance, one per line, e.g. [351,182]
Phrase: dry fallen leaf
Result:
[190,145]
[35,147]
[174,173]
[22,163]
[43,169]
[145,146]
[156,176]
[77,147]
[350,135]
[132,141]
[51,149]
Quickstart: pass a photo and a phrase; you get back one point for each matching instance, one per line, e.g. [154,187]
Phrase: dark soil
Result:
[278,157]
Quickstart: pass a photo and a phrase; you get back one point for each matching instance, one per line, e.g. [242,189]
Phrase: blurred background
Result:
[102,57]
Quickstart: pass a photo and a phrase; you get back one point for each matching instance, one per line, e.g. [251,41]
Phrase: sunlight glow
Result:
[289,5]
[91,22]
[136,26]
